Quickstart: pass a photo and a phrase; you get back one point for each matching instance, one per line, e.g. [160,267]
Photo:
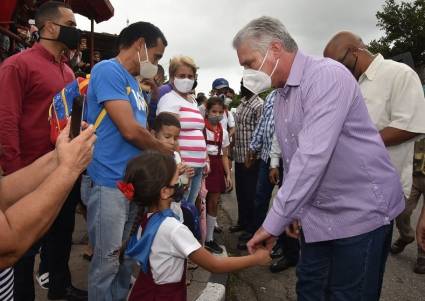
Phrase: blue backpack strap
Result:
[141,249]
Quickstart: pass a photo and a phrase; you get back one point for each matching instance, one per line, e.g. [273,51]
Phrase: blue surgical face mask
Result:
[215,119]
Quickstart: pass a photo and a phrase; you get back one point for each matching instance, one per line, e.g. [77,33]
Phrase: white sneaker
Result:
[43,280]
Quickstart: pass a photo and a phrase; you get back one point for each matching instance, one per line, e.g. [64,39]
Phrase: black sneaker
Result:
[43,280]
[71,293]
[399,245]
[419,266]
[213,247]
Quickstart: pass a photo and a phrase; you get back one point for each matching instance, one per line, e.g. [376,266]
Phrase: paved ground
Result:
[258,283]
[400,283]
[79,266]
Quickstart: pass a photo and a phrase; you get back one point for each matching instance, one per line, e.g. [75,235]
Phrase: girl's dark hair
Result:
[138,30]
[200,98]
[214,100]
[165,118]
[149,173]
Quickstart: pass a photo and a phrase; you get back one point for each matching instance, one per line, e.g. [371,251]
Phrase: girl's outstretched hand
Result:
[262,255]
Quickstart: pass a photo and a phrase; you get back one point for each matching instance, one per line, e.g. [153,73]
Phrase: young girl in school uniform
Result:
[219,179]
[159,242]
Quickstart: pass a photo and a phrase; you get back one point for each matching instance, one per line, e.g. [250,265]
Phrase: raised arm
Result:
[30,217]
[21,182]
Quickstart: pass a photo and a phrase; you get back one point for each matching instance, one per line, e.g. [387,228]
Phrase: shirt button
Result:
[387,219]
[286,120]
[287,160]
[375,187]
[293,135]
[286,140]
[329,229]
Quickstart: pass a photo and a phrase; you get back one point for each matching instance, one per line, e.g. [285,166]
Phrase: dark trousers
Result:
[344,269]
[56,248]
[246,182]
[263,195]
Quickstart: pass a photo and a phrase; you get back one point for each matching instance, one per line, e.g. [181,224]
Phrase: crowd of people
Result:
[340,135]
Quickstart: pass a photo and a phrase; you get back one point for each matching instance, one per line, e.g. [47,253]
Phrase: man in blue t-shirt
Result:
[115,94]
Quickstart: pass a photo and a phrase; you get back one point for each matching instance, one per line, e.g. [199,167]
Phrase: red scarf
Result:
[218,131]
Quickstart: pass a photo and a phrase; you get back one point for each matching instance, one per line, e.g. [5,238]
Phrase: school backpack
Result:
[61,108]
[191,218]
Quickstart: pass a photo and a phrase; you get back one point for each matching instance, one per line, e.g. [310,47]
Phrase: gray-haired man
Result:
[346,207]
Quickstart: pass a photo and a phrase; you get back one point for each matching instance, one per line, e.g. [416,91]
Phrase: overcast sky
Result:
[204,29]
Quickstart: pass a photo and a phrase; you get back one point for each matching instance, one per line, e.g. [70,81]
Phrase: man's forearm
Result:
[20,183]
[392,136]
[30,217]
[143,140]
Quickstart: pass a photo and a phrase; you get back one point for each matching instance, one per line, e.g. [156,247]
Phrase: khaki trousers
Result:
[403,220]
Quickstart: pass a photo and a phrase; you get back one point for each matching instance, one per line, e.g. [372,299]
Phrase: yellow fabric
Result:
[65,105]
[100,118]
[103,113]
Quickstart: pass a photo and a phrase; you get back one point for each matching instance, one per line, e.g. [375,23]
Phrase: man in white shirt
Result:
[395,100]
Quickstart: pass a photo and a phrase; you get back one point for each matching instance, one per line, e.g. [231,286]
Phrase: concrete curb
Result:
[216,286]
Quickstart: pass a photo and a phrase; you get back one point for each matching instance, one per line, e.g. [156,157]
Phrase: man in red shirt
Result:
[28,82]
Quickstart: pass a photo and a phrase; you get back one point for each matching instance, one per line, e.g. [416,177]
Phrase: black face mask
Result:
[68,35]
[178,192]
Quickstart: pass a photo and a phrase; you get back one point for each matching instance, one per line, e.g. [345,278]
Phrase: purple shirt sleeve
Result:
[164,89]
[326,103]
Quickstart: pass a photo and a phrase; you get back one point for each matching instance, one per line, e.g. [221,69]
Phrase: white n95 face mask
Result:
[183,85]
[227,101]
[147,69]
[258,81]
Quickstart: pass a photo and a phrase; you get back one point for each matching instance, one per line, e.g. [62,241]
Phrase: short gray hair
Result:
[262,31]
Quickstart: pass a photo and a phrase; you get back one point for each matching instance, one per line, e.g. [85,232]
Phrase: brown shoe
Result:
[419,266]
[399,246]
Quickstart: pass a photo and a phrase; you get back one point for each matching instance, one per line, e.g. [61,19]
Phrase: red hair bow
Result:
[127,189]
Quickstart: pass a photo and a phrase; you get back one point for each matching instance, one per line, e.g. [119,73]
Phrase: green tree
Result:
[403,24]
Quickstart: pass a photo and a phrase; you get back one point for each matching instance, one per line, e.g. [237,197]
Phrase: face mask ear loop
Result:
[138,55]
[146,51]
[275,66]
[264,59]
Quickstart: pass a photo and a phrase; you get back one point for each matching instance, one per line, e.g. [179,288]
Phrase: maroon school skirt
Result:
[145,289]
[215,180]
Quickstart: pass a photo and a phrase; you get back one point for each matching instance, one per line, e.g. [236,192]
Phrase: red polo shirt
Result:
[28,82]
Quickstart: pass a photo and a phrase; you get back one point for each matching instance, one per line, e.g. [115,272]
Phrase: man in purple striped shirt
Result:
[339,184]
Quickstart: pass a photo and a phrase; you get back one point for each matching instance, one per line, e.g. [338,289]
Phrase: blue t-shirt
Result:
[109,80]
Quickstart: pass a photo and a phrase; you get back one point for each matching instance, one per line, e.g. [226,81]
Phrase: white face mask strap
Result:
[275,66]
[264,59]
[138,55]
[146,51]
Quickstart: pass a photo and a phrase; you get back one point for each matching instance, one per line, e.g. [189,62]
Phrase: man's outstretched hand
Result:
[261,239]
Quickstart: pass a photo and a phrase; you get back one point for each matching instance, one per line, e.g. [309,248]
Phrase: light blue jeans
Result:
[110,217]
[195,185]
